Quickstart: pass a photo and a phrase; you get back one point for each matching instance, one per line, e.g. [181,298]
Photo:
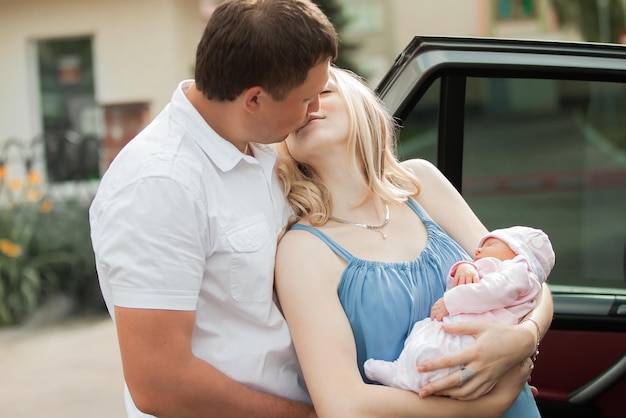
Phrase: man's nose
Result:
[314,105]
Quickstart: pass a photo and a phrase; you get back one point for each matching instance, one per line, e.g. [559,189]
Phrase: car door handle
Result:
[587,393]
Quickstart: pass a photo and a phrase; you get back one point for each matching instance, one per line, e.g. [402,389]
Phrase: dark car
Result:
[534,133]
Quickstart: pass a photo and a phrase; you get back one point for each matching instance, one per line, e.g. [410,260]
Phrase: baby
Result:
[500,285]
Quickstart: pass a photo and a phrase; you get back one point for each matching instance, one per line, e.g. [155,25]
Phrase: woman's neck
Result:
[353,201]
[351,198]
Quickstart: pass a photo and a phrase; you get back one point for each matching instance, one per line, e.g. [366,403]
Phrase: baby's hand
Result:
[439,310]
[465,274]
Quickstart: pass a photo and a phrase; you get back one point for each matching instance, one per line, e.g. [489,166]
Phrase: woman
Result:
[368,258]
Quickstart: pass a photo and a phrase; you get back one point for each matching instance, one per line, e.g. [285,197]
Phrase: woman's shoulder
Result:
[300,242]
[303,257]
[432,182]
[426,173]
[419,166]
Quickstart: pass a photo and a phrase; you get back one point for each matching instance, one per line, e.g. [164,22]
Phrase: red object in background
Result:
[123,121]
[622,37]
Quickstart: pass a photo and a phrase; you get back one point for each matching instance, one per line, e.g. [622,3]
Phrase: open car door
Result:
[534,133]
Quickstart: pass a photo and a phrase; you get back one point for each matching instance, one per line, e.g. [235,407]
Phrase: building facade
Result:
[81,77]
[382,28]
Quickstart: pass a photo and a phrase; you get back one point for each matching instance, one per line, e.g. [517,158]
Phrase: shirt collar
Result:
[221,152]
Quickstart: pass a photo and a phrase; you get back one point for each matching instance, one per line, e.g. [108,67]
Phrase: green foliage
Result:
[335,14]
[63,239]
[592,19]
[45,248]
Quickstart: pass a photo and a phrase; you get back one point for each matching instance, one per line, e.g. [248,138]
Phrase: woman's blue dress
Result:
[383,300]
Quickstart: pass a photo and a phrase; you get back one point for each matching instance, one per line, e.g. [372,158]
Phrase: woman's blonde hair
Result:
[371,139]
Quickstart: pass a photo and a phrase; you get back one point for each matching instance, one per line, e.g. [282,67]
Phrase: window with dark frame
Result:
[68,109]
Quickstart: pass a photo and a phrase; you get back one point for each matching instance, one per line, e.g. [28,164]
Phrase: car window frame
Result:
[451,60]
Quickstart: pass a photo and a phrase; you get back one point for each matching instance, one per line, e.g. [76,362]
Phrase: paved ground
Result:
[67,369]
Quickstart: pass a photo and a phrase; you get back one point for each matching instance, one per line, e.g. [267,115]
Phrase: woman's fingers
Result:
[473,328]
[463,384]
[471,386]
[486,357]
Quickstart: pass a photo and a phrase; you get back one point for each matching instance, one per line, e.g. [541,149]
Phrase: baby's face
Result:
[494,247]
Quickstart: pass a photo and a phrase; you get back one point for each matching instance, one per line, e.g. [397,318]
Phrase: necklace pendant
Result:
[383,234]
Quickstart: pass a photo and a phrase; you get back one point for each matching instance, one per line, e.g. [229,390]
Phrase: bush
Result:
[45,248]
[63,237]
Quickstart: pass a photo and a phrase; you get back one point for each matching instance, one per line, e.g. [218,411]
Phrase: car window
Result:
[419,131]
[545,153]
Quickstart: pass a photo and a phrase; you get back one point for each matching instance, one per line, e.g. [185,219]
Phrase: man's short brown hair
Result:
[267,43]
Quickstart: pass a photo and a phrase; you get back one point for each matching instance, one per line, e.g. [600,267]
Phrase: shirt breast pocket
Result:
[252,265]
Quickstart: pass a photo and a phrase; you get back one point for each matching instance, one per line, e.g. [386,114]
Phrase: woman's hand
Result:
[498,349]
[509,387]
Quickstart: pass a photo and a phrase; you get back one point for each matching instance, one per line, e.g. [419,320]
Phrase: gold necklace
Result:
[377,228]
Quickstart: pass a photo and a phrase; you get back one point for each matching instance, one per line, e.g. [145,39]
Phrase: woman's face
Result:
[325,131]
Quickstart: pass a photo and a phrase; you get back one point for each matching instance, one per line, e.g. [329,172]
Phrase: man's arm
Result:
[165,379]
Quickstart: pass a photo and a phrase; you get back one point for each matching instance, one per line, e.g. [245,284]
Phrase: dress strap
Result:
[419,210]
[337,249]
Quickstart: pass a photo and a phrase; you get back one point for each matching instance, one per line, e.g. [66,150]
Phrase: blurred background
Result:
[79,78]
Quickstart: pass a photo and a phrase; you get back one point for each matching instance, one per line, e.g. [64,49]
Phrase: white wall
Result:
[393,23]
[443,17]
[142,49]
[398,21]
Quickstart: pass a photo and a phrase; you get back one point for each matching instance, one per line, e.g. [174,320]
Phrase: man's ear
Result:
[253,98]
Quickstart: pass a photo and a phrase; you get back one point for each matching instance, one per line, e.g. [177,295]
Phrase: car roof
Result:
[425,56]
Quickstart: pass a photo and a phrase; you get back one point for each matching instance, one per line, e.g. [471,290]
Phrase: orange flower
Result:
[46,206]
[3,172]
[33,195]
[34,177]
[15,184]
[10,248]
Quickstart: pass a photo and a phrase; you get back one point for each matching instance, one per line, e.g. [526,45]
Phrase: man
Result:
[186,219]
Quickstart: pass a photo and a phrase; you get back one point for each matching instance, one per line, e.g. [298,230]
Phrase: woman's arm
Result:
[489,356]
[445,205]
[307,276]
[542,314]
